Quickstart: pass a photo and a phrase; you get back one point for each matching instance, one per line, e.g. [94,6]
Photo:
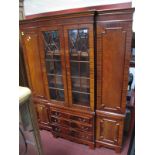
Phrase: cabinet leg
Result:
[92,146]
[118,149]
[55,136]
[98,145]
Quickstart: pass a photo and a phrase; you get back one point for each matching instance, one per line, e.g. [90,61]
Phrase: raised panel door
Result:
[109,130]
[111,57]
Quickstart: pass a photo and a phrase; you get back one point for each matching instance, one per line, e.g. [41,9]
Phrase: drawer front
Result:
[72,117]
[60,121]
[72,124]
[59,114]
[82,119]
[73,133]
[81,127]
[59,129]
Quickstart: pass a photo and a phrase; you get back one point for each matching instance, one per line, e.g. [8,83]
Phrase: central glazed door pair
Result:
[67,57]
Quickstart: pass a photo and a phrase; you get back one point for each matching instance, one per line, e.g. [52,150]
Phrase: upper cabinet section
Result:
[113,56]
[67,54]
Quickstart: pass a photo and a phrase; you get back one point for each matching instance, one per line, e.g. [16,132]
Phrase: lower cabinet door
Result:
[42,114]
[109,129]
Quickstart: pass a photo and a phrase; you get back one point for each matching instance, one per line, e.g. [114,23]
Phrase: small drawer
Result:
[60,121]
[56,129]
[86,137]
[81,119]
[59,129]
[56,113]
[80,135]
[59,114]
[81,127]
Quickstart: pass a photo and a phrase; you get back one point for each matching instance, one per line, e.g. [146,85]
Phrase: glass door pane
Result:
[78,43]
[53,65]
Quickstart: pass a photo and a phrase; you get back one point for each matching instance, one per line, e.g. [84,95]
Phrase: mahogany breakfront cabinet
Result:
[77,66]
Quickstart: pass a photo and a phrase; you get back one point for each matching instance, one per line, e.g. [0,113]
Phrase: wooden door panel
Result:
[109,130]
[111,68]
[33,66]
[42,114]
[113,49]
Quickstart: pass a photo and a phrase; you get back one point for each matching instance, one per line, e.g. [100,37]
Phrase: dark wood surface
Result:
[22,71]
[101,123]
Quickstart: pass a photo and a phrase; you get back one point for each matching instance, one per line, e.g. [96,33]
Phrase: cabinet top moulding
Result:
[99,7]
[72,18]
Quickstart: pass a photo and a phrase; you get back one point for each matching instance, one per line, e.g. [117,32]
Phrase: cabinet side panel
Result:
[33,62]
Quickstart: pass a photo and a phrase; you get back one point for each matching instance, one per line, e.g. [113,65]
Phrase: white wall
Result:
[40,6]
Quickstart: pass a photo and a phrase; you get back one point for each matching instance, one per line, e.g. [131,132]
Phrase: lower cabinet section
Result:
[75,126]
[78,126]
[109,130]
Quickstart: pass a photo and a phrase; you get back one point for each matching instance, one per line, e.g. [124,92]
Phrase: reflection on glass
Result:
[75,68]
[52,44]
[81,99]
[53,65]
[55,81]
[79,64]
[76,84]
[85,85]
[57,94]
[84,70]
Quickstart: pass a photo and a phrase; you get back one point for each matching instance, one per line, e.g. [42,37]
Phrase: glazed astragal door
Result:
[53,64]
[80,65]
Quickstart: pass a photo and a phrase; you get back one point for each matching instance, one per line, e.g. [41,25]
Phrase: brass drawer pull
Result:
[82,120]
[57,113]
[57,129]
[84,128]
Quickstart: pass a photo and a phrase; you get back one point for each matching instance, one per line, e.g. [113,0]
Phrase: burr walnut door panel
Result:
[112,69]
[53,64]
[79,50]
[32,61]
[109,130]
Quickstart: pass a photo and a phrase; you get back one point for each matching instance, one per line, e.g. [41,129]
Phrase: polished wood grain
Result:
[114,29]
[109,128]
[32,58]
[42,112]
[112,68]
[113,57]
